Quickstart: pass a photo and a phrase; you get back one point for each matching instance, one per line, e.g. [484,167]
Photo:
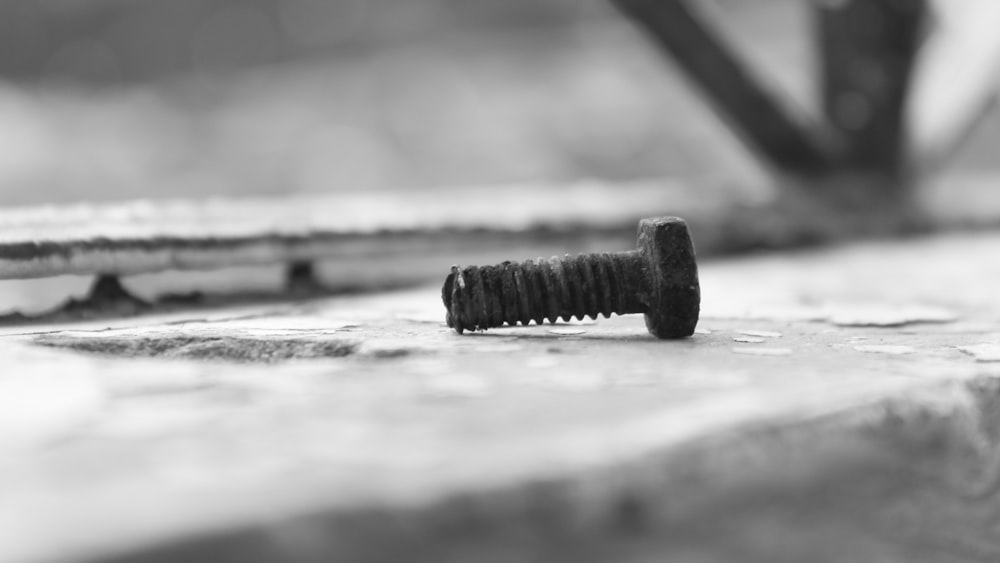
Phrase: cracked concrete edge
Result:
[889,480]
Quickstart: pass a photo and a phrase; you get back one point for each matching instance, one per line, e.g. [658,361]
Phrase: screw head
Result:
[672,293]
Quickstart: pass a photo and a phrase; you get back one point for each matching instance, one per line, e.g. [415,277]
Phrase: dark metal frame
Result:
[858,152]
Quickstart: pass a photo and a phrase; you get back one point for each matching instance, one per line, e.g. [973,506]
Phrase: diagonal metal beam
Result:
[766,122]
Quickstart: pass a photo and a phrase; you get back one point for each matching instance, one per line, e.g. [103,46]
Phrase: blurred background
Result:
[112,99]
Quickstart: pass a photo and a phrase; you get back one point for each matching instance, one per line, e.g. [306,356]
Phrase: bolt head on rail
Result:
[673,294]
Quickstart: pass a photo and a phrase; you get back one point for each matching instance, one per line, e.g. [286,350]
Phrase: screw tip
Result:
[448,291]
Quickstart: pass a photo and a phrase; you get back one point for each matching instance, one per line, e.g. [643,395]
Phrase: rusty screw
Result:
[658,279]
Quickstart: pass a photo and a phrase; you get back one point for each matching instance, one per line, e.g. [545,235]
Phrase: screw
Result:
[658,279]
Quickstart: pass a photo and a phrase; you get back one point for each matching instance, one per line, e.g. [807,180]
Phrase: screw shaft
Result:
[586,285]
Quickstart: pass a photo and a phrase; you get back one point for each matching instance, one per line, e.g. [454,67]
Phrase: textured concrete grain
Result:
[361,429]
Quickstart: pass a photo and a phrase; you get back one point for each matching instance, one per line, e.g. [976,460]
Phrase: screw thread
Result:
[586,285]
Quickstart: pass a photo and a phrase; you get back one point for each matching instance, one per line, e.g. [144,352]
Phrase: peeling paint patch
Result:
[279,324]
[878,315]
[986,353]
[886,349]
[761,333]
[760,351]
[849,314]
[765,312]
[749,339]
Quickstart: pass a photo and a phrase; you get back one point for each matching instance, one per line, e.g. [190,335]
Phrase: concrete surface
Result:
[834,406]
[838,405]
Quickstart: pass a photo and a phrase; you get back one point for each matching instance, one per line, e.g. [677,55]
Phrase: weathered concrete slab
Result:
[834,406]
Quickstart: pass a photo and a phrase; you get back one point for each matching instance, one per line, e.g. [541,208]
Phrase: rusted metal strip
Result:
[784,136]
[142,237]
[380,228]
